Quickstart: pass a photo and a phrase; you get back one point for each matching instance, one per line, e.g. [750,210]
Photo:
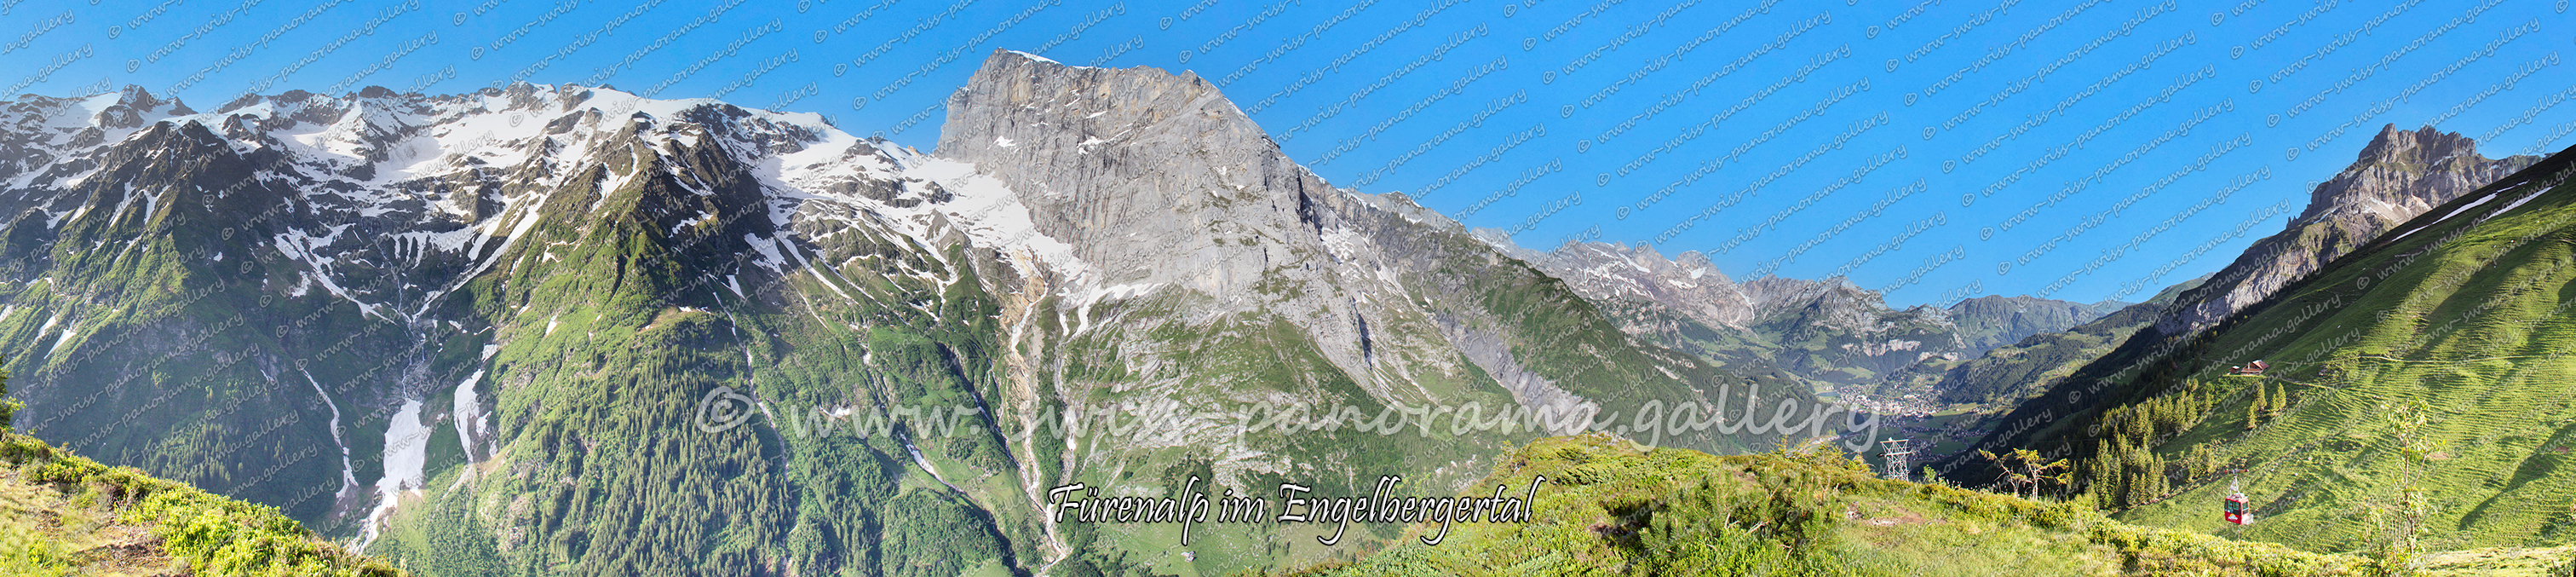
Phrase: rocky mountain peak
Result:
[1994,320]
[1772,292]
[1833,303]
[1830,331]
[2423,144]
[1017,94]
[1171,183]
[2400,174]
[41,133]
[132,105]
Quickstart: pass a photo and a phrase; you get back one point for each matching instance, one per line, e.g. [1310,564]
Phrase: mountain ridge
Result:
[2397,175]
[2401,377]
[1831,332]
[473,331]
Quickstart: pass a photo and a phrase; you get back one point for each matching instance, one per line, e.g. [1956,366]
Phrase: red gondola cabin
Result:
[2237,512]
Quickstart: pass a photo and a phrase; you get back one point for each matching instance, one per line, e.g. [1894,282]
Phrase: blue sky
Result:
[1934,149]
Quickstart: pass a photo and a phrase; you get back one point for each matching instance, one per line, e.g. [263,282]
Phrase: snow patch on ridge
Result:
[2517,203]
[991,214]
[348,470]
[986,211]
[406,453]
[2446,217]
[1343,244]
[469,414]
[299,245]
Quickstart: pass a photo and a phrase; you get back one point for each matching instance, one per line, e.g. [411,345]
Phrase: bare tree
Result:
[2026,468]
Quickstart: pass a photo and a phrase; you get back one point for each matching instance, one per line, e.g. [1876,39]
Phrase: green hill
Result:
[63,514]
[2415,399]
[1612,507]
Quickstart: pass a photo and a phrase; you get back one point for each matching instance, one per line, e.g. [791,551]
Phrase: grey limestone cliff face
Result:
[2399,175]
[1153,177]
[1157,181]
[1170,196]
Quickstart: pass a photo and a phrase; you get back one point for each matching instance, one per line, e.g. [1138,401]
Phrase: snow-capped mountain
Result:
[495,332]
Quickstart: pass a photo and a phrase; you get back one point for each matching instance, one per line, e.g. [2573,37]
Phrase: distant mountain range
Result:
[1839,337]
[569,330]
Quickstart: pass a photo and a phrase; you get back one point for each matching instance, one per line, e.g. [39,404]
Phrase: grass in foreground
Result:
[2502,562]
[62,514]
[1613,507]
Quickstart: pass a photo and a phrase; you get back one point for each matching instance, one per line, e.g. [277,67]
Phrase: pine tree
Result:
[2136,425]
[8,406]
[2101,473]
[2112,468]
[2124,492]
[2199,407]
[2259,406]
[2155,480]
[2139,493]
[2281,400]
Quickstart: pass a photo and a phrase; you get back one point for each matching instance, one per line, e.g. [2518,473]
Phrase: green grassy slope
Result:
[62,514]
[1611,507]
[2416,400]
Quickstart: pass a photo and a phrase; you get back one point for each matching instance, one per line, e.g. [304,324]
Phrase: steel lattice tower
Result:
[1894,452]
